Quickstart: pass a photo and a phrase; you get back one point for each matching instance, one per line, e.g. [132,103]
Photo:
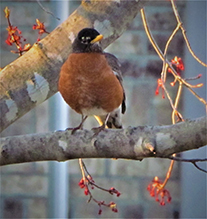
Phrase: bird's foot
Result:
[74,129]
[78,127]
[97,130]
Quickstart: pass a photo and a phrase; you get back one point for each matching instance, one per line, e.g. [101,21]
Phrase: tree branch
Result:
[193,161]
[32,78]
[131,143]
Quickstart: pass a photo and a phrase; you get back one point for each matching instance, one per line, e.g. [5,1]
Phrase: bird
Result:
[90,82]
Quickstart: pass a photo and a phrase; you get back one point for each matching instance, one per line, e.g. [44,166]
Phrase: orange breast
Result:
[87,82]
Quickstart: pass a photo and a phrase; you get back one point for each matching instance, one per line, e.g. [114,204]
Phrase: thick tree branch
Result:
[32,78]
[131,143]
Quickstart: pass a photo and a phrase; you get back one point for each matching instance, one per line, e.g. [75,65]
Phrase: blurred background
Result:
[50,189]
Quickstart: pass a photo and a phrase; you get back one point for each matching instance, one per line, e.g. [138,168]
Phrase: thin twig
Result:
[161,55]
[171,102]
[193,161]
[187,160]
[165,65]
[82,169]
[184,33]
[193,78]
[168,174]
[90,181]
[85,168]
[177,99]
[150,37]
[44,9]
[164,71]
[201,169]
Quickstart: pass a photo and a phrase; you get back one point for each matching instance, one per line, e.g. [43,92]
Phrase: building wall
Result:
[25,188]
[195,207]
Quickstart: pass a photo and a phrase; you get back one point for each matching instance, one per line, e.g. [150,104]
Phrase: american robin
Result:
[91,82]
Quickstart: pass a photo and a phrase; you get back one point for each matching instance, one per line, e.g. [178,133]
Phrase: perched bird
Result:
[90,81]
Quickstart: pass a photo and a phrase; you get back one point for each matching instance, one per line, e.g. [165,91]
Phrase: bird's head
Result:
[88,40]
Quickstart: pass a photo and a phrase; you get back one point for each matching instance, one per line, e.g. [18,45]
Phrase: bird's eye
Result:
[85,39]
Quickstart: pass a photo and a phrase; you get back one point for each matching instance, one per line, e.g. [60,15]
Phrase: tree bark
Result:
[131,143]
[32,78]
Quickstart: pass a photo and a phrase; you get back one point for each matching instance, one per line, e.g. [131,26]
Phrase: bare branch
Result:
[162,57]
[180,24]
[44,9]
[193,161]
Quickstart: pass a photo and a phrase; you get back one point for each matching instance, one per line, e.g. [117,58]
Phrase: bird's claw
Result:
[73,130]
[97,130]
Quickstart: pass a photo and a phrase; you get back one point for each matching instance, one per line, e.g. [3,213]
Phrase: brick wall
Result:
[24,187]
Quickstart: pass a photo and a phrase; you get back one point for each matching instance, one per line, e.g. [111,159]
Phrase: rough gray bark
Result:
[131,143]
[32,78]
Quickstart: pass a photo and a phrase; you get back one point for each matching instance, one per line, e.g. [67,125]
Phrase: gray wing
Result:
[116,67]
[114,120]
